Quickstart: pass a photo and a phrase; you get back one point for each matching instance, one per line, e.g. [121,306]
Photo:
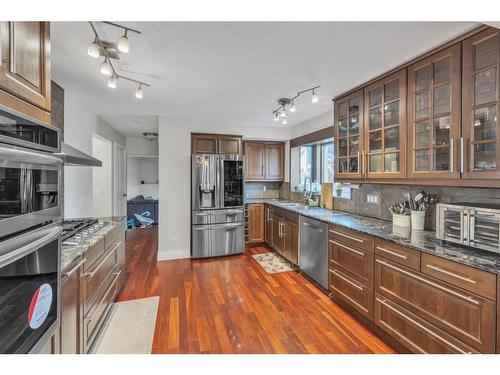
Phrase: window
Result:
[327,159]
[307,162]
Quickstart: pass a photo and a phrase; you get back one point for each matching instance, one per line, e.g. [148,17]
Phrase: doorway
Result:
[102,182]
[120,181]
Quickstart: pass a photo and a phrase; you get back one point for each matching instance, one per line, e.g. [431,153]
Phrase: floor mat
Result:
[131,328]
[272,263]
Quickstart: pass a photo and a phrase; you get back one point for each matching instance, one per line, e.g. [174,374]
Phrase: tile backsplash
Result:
[267,190]
[390,194]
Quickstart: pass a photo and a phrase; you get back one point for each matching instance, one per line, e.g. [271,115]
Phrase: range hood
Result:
[72,156]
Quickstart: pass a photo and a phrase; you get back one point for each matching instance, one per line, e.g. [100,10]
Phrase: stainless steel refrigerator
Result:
[217,221]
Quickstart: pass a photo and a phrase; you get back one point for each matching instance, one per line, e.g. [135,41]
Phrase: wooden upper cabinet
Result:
[434,118]
[480,105]
[25,62]
[264,161]
[229,144]
[349,135]
[203,144]
[384,154]
[275,155]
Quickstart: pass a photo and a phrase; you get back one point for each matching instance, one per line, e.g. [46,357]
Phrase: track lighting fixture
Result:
[109,50]
[138,93]
[290,102]
[112,81]
[314,97]
[106,67]
[123,43]
[93,50]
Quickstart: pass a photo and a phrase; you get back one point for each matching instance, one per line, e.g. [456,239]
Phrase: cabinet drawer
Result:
[351,238]
[413,332]
[399,254]
[93,253]
[95,317]
[93,279]
[358,263]
[468,317]
[113,235]
[468,278]
[351,291]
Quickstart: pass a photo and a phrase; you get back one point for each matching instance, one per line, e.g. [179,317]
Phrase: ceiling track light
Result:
[99,47]
[290,102]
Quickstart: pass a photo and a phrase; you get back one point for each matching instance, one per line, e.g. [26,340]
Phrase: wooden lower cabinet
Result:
[277,239]
[282,234]
[70,337]
[413,332]
[256,228]
[268,225]
[358,263]
[468,317]
[291,241]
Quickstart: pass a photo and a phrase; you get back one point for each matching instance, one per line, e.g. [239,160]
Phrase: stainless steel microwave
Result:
[470,224]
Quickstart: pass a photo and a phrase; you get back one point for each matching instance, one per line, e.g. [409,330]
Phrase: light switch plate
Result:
[372,198]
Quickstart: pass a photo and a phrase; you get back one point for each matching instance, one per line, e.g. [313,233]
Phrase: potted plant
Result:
[339,186]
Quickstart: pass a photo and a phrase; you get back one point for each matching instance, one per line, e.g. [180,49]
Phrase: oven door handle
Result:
[26,244]
[14,154]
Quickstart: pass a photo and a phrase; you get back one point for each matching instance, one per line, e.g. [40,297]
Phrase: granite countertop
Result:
[69,253]
[422,240]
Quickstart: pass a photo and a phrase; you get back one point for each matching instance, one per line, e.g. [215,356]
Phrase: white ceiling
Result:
[225,73]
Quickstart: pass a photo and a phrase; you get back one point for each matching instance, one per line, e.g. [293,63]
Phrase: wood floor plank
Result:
[232,305]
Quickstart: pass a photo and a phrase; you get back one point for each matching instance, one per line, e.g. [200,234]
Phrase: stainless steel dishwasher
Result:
[314,249]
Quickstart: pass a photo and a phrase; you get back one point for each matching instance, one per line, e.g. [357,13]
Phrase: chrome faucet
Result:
[307,194]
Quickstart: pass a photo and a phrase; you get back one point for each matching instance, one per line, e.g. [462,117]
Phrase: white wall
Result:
[175,175]
[142,169]
[141,146]
[102,181]
[80,123]
[309,126]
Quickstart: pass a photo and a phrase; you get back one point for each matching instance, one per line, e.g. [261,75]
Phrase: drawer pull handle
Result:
[346,236]
[111,252]
[73,270]
[360,288]
[459,295]
[423,328]
[105,296]
[348,248]
[438,269]
[391,252]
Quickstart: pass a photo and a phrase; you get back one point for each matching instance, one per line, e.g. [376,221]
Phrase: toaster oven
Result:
[470,224]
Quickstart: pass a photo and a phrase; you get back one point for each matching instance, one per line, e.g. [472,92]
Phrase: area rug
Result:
[131,328]
[272,263]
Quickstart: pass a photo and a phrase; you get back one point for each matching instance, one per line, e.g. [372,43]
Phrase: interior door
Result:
[120,181]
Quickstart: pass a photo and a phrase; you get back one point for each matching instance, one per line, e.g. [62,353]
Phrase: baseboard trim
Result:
[173,254]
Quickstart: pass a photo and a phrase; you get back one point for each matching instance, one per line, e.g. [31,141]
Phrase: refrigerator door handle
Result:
[220,182]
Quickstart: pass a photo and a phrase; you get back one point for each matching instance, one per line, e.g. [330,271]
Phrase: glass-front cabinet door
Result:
[434,89]
[480,106]
[385,127]
[349,135]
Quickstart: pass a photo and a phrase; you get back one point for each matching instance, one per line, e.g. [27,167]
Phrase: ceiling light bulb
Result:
[123,43]
[94,50]
[314,97]
[112,81]
[276,116]
[284,121]
[292,107]
[139,93]
[283,113]
[106,67]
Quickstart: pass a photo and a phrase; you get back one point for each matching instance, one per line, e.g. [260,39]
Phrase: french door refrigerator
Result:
[217,205]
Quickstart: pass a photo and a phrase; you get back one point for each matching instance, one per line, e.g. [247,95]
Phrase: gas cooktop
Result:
[79,230]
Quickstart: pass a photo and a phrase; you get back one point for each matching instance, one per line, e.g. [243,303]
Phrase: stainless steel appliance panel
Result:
[30,189]
[29,289]
[471,224]
[217,240]
[314,249]
[204,182]
[231,181]
[218,216]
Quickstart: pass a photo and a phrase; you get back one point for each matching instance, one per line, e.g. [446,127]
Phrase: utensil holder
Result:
[401,220]
[417,220]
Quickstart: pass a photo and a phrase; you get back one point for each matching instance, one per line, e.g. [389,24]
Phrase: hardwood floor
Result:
[231,305]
